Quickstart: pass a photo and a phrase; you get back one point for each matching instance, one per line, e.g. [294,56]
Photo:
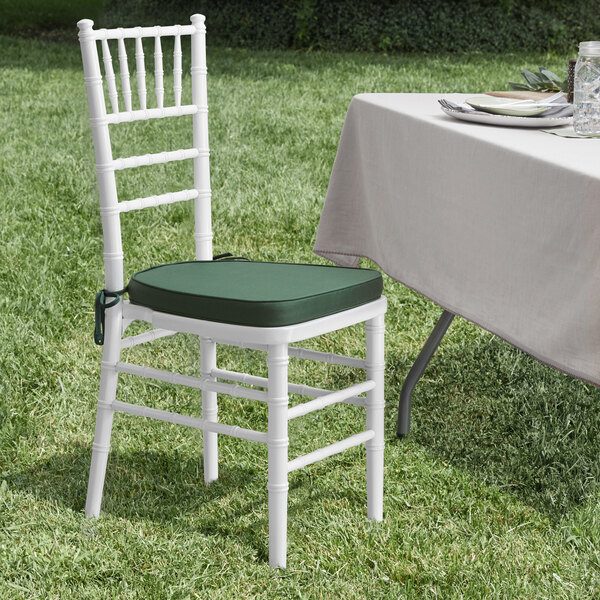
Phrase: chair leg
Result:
[104,413]
[208,361]
[375,330]
[277,442]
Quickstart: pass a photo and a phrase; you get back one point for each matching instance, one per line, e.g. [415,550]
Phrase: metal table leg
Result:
[433,341]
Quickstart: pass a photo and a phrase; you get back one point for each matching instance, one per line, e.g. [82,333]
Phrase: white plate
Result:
[498,106]
[508,121]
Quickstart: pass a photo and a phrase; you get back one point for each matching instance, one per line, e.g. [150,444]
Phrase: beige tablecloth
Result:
[500,225]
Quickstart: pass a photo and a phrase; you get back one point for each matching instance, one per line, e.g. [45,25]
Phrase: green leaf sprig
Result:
[542,81]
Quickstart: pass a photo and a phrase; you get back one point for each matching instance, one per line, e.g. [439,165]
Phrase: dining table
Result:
[498,224]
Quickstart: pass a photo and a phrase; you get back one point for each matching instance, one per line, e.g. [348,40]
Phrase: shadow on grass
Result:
[158,487]
[169,486]
[497,413]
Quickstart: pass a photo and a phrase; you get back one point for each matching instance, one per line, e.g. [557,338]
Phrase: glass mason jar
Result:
[586,97]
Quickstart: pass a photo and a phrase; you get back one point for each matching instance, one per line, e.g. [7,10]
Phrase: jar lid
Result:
[589,48]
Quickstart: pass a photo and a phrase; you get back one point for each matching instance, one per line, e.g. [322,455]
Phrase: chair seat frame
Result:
[274,341]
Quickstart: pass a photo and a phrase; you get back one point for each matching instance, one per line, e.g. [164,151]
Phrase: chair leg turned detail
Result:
[208,361]
[375,331]
[104,412]
[100,450]
[277,443]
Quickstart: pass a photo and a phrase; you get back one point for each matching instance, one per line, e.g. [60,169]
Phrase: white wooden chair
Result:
[264,306]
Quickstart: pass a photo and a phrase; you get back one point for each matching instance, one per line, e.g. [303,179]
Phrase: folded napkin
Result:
[569,132]
[523,95]
[563,109]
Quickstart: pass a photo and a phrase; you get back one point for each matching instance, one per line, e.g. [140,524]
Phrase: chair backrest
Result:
[100,119]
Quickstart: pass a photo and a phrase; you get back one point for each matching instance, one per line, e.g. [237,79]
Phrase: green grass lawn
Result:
[493,495]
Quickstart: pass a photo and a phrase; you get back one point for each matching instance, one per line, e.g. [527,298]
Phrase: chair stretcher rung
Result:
[147,336]
[170,417]
[151,113]
[166,376]
[151,201]
[195,382]
[293,388]
[236,391]
[239,377]
[316,355]
[328,357]
[144,160]
[330,450]
[331,398]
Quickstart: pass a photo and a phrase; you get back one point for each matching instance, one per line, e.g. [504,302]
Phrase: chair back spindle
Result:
[124,71]
[140,72]
[158,72]
[110,76]
[100,119]
[177,71]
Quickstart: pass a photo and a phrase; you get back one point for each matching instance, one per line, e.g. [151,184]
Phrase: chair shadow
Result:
[169,486]
[492,410]
[155,486]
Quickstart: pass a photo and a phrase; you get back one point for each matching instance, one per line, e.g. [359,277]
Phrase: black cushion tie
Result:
[100,306]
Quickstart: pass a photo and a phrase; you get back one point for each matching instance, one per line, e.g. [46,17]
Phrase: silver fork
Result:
[450,106]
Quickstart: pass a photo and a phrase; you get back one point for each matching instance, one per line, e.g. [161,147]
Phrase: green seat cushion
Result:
[259,294]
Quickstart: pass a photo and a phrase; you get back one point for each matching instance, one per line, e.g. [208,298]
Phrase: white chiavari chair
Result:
[263,306]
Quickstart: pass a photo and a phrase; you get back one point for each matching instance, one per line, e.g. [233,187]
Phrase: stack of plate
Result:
[494,110]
